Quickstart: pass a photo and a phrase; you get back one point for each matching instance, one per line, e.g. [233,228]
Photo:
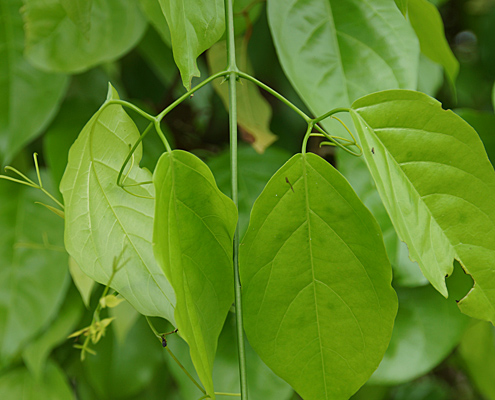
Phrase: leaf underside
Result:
[318,304]
[103,222]
[438,186]
[193,233]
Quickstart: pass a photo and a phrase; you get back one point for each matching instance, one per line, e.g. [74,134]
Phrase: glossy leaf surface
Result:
[33,273]
[20,384]
[427,328]
[253,110]
[318,304]
[335,51]
[193,232]
[54,42]
[195,26]
[103,222]
[477,350]
[22,87]
[438,186]
[428,25]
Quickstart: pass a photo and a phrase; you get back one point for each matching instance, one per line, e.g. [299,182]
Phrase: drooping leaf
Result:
[54,42]
[427,328]
[318,312]
[103,222]
[262,382]
[253,110]
[123,369]
[29,97]
[477,350]
[155,16]
[254,171]
[36,354]
[437,185]
[79,11]
[83,282]
[33,272]
[195,26]
[427,23]
[20,384]
[406,272]
[193,232]
[335,51]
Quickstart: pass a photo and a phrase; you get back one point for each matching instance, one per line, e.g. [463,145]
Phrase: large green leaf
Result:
[102,221]
[428,25]
[54,42]
[79,11]
[319,313]
[335,51]
[29,97]
[438,186]
[253,110]
[484,124]
[153,12]
[193,232]
[406,272]
[426,330]
[33,267]
[477,350]
[20,384]
[36,353]
[254,171]
[262,382]
[195,26]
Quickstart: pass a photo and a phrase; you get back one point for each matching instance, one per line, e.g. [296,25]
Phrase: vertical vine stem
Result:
[232,78]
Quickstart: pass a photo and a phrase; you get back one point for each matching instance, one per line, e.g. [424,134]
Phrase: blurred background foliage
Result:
[436,353]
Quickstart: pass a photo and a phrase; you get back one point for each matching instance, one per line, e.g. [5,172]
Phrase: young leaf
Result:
[33,273]
[427,328]
[253,110]
[335,51]
[29,97]
[55,43]
[103,222]
[79,11]
[427,23]
[318,304]
[193,232]
[438,186]
[195,26]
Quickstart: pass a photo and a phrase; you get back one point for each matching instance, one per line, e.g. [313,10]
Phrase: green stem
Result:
[232,77]
[185,370]
[330,113]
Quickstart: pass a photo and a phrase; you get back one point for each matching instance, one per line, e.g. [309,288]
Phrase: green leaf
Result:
[54,42]
[335,51]
[477,350]
[36,354]
[20,384]
[426,330]
[195,26]
[437,185]
[33,276]
[193,232]
[120,370]
[484,124]
[406,272]
[30,97]
[493,96]
[254,171]
[83,282]
[402,5]
[153,12]
[253,110]
[262,382]
[102,221]
[125,317]
[319,313]
[430,76]
[79,11]
[427,23]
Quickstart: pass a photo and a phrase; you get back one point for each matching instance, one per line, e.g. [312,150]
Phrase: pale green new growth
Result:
[193,232]
[438,186]
[318,304]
